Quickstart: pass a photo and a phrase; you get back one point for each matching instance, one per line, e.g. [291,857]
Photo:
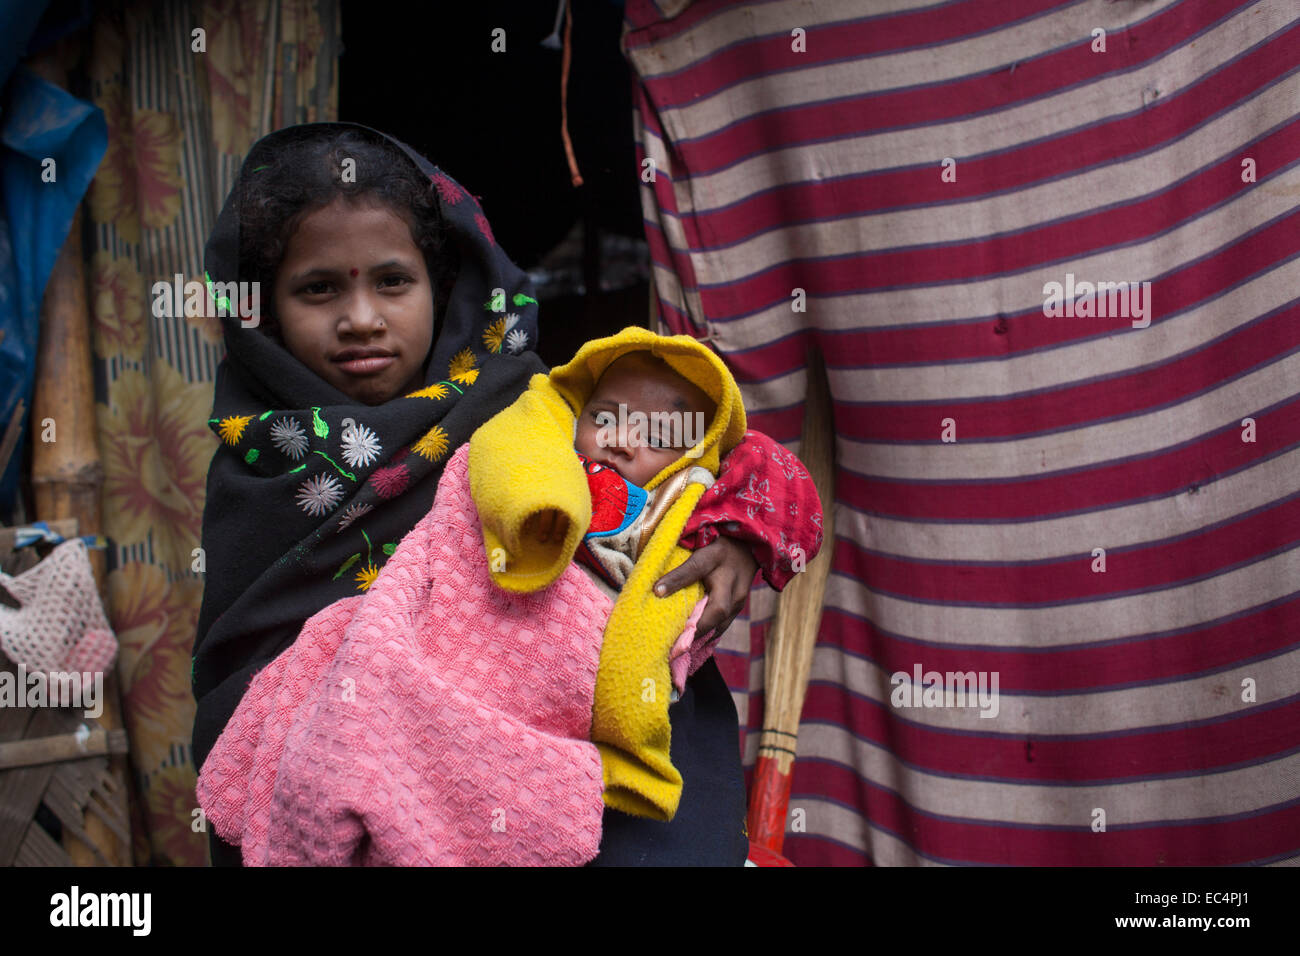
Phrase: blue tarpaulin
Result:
[39,122]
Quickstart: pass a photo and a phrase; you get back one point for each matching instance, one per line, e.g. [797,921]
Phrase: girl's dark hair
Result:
[298,174]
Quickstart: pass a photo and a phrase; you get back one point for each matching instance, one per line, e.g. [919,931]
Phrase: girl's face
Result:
[354,301]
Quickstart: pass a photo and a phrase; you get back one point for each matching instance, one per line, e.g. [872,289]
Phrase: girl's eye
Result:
[394,281]
[317,288]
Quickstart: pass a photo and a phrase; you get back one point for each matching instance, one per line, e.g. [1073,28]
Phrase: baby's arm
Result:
[765,498]
[763,513]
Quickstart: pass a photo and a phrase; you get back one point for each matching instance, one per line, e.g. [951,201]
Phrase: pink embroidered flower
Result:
[391,481]
[481,221]
[448,191]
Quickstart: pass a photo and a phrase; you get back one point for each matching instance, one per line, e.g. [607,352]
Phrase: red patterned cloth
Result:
[765,497]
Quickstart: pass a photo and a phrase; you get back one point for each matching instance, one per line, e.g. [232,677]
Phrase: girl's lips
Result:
[367,366]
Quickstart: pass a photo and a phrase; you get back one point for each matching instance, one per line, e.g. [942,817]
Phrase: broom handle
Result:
[788,664]
[768,802]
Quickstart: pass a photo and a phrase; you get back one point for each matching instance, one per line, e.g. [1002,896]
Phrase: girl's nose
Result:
[363,315]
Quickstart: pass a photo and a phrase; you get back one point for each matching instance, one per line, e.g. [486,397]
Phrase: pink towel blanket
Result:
[435,719]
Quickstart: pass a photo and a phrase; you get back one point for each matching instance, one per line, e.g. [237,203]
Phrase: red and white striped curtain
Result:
[1101,511]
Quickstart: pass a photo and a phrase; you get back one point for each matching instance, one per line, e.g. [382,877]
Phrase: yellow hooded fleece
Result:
[522,461]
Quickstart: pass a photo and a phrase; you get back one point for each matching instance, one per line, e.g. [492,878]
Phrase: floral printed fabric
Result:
[765,497]
[178,122]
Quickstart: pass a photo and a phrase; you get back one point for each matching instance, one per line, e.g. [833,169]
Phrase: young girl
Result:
[392,327]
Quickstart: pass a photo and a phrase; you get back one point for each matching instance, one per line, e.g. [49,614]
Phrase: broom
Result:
[793,633]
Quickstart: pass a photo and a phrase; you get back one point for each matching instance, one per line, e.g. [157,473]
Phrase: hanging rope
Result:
[564,97]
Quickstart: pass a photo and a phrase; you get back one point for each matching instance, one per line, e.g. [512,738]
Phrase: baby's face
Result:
[353,282]
[641,384]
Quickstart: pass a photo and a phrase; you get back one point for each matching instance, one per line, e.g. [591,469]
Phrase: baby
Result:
[641,418]
[649,417]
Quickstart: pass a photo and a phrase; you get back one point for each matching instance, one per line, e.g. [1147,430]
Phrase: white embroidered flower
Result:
[755,497]
[789,464]
[360,446]
[512,319]
[319,494]
[516,341]
[287,435]
[352,512]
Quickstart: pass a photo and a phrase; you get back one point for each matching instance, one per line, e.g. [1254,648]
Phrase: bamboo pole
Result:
[66,472]
[61,748]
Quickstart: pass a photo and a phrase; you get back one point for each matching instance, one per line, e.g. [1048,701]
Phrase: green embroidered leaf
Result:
[299,468]
[265,415]
[520,299]
[318,424]
[251,456]
[345,565]
[389,548]
[346,474]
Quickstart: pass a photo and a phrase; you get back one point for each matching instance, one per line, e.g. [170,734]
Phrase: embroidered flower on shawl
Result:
[448,191]
[391,481]
[433,445]
[232,428]
[352,512]
[319,494]
[288,436]
[494,335]
[480,220]
[516,341]
[436,390]
[360,446]
[366,577]
[462,368]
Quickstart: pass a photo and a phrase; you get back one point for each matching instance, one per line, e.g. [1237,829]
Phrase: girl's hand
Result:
[727,569]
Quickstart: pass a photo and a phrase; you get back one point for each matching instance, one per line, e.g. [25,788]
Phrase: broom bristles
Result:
[793,634]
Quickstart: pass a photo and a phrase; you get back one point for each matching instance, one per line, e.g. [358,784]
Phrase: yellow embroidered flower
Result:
[462,368]
[366,577]
[494,335]
[436,390]
[433,445]
[232,428]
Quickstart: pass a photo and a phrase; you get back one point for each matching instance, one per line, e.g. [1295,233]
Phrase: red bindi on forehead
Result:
[355,273]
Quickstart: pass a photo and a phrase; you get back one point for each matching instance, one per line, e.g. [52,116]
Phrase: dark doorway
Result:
[428,75]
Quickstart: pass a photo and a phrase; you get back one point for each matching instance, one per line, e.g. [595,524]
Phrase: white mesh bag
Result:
[61,625]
